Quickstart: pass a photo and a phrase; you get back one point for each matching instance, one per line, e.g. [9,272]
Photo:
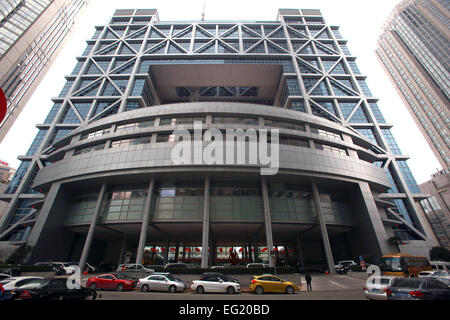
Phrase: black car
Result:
[418,289]
[53,289]
[214,275]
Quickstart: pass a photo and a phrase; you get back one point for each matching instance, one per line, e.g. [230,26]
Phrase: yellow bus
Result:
[403,265]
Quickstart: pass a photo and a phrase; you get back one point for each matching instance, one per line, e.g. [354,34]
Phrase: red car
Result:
[110,281]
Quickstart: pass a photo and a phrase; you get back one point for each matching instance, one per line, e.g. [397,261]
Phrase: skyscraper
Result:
[31,35]
[414,49]
[436,207]
[104,177]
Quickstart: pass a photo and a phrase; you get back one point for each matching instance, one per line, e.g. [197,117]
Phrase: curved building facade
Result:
[194,139]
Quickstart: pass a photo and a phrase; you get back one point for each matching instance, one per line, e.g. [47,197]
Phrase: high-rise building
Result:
[116,167]
[414,49]
[437,207]
[32,33]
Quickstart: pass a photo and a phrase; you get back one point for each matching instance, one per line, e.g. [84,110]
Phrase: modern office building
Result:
[414,49]
[32,33]
[437,207]
[102,180]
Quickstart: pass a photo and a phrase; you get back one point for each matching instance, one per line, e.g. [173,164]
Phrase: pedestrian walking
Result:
[308,280]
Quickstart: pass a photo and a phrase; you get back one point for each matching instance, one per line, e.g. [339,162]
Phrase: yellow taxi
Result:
[270,283]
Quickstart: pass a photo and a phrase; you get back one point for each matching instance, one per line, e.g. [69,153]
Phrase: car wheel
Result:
[93,286]
[259,290]
[289,290]
[145,288]
[120,287]
[199,290]
[230,290]
[172,289]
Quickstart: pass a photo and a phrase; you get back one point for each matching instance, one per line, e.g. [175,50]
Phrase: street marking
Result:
[337,284]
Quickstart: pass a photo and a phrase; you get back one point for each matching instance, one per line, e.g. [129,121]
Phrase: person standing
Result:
[308,280]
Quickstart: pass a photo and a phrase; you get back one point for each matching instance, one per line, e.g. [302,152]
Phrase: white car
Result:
[441,274]
[4,276]
[161,282]
[375,288]
[15,282]
[133,267]
[345,263]
[258,265]
[425,274]
[215,282]
[68,267]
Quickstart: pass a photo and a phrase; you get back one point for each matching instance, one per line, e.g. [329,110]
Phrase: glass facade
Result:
[318,78]
[414,50]
[24,66]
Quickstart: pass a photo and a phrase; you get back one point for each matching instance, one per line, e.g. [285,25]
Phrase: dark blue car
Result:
[418,289]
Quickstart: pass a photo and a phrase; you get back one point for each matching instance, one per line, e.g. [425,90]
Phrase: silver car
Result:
[159,282]
[375,288]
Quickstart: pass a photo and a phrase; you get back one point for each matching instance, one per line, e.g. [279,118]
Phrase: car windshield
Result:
[169,277]
[226,278]
[118,276]
[391,264]
[34,282]
[6,281]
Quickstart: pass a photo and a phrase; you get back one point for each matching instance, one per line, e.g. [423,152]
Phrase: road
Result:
[325,287]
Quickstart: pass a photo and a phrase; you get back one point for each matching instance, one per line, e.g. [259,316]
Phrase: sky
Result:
[360,23]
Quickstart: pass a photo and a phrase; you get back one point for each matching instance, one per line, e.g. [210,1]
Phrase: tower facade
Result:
[115,166]
[413,48]
[31,35]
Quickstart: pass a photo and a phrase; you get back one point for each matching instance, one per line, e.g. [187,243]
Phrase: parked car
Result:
[346,263]
[161,282]
[338,268]
[89,268]
[270,283]
[215,282]
[440,266]
[12,283]
[110,281]
[418,289]
[53,289]
[424,274]
[258,265]
[375,288]
[441,274]
[178,265]
[61,268]
[4,276]
[107,267]
[133,267]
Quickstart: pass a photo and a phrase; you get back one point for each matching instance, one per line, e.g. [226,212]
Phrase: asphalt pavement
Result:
[324,287]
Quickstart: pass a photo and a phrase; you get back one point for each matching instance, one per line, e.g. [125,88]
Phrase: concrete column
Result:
[205,233]
[212,246]
[177,249]
[145,221]
[122,249]
[166,251]
[255,254]
[90,235]
[267,220]
[323,229]
[299,251]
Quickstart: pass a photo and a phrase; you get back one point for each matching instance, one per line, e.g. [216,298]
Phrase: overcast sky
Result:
[360,23]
